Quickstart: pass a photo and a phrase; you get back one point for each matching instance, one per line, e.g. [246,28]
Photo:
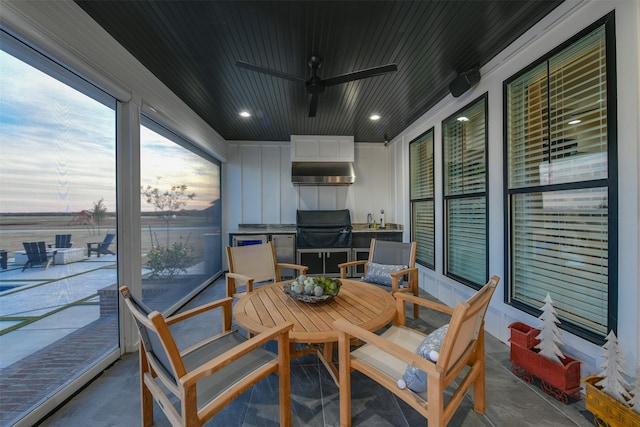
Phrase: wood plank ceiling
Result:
[193,46]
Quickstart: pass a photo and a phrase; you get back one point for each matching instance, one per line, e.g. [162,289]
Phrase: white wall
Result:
[258,189]
[569,19]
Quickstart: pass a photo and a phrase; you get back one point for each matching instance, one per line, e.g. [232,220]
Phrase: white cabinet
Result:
[320,148]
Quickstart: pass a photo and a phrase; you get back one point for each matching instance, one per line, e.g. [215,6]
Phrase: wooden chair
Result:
[62,241]
[209,375]
[384,358]
[387,253]
[252,264]
[37,255]
[101,247]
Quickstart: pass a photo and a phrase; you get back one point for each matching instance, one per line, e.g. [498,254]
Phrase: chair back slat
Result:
[392,253]
[36,251]
[63,240]
[157,343]
[107,241]
[256,261]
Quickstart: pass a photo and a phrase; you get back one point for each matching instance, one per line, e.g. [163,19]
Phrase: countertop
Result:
[291,229]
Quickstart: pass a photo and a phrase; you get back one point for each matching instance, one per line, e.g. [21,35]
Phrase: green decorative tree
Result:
[549,335]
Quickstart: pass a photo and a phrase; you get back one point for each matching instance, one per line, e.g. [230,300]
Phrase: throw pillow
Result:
[381,273]
[414,378]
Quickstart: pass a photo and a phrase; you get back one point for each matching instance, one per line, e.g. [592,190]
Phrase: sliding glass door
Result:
[58,318]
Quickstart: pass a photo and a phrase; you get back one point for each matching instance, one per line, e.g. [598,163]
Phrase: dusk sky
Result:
[57,149]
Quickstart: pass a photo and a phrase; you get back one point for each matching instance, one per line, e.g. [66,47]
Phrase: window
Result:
[421,198]
[181,217]
[560,184]
[465,194]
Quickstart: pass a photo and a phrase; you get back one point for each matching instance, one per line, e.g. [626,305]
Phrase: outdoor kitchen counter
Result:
[264,229]
[389,228]
[291,228]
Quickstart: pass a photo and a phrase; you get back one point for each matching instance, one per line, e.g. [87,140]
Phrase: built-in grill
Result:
[324,229]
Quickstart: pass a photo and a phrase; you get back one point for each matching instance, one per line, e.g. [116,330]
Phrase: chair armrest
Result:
[350,330]
[396,276]
[399,273]
[343,266]
[225,359]
[301,268]
[241,277]
[231,284]
[423,302]
[352,263]
[223,302]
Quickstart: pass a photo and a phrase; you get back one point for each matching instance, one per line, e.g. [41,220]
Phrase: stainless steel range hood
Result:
[322,173]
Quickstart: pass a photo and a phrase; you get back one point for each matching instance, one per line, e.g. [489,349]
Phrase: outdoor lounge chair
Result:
[101,247]
[192,385]
[62,241]
[37,255]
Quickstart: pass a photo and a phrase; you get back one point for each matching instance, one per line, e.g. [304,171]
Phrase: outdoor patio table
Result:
[360,303]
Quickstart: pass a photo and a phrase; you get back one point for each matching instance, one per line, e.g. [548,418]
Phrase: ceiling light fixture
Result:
[245,114]
[463,119]
[574,122]
[374,117]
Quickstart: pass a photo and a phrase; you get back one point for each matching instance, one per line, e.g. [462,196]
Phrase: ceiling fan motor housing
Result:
[315,85]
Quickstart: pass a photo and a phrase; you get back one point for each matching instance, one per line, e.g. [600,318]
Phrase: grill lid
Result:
[320,219]
[324,229]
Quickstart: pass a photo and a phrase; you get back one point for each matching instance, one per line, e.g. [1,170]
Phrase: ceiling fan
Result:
[315,85]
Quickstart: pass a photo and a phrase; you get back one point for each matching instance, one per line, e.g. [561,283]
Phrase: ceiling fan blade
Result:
[269,71]
[313,105]
[362,74]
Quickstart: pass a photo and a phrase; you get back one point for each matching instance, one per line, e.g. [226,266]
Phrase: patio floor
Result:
[43,306]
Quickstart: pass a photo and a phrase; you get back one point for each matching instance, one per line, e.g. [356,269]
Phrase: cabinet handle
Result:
[319,254]
[328,254]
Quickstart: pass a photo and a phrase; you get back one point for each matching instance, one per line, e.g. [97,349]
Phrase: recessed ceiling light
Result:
[575,122]
[463,119]
[245,114]
[374,117]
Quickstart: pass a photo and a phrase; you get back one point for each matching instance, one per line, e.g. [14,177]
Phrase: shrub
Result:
[165,263]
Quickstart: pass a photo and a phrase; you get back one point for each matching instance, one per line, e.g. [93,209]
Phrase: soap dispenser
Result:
[382,225]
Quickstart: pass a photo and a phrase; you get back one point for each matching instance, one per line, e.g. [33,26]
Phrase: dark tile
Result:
[113,399]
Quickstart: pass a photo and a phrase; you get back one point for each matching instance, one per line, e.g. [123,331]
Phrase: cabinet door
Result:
[315,148]
[359,255]
[312,259]
[332,259]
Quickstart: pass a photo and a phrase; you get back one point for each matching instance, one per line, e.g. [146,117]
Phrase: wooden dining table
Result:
[362,304]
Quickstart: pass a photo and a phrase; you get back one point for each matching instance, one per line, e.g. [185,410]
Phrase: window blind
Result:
[465,177]
[421,193]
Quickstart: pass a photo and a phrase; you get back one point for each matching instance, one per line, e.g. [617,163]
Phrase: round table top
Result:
[360,303]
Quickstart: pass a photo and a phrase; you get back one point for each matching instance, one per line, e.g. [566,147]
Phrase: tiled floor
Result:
[113,399]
